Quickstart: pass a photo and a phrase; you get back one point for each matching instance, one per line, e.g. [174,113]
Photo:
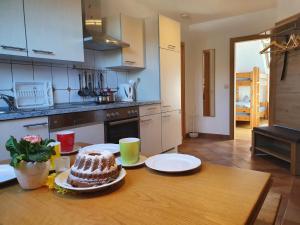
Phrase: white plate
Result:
[61,180]
[139,163]
[7,173]
[113,148]
[173,162]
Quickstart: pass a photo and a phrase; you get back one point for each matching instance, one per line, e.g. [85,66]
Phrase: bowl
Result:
[193,134]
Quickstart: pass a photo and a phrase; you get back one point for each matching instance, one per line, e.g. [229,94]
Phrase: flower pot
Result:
[32,175]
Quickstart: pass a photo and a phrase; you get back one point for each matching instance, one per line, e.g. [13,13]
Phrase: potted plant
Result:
[29,157]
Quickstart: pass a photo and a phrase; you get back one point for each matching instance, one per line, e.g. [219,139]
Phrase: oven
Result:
[121,123]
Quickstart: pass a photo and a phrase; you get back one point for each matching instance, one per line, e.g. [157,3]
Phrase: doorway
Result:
[250,76]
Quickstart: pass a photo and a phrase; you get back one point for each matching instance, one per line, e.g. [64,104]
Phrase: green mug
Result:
[130,150]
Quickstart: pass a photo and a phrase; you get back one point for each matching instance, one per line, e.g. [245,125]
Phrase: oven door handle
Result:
[123,121]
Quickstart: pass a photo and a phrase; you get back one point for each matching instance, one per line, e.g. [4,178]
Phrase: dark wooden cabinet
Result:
[280,142]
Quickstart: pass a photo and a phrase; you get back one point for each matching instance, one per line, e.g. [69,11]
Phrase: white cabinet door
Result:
[171,130]
[170,80]
[20,128]
[150,134]
[133,33]
[54,29]
[169,33]
[12,28]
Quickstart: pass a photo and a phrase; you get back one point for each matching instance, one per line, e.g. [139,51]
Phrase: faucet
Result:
[10,101]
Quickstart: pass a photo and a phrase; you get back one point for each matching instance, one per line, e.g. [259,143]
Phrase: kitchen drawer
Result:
[21,128]
[150,134]
[150,109]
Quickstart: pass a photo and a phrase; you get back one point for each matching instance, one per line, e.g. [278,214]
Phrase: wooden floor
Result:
[237,153]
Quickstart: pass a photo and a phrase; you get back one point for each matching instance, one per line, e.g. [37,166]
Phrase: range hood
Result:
[95,36]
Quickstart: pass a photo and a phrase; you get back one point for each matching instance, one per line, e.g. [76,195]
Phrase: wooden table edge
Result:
[256,209]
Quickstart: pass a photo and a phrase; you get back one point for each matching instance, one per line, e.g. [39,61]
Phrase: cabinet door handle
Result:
[166,106]
[166,116]
[153,108]
[35,125]
[6,47]
[130,62]
[42,52]
[123,121]
[144,121]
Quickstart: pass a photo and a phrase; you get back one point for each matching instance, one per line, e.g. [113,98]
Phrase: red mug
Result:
[66,139]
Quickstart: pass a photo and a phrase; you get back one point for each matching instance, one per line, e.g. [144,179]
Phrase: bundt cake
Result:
[93,168]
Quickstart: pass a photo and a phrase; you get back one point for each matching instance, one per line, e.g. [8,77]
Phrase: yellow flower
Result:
[50,181]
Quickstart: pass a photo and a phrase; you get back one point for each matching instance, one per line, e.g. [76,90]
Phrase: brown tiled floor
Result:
[237,153]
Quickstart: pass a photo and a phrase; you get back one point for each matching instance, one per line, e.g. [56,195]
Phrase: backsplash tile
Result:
[73,79]
[112,79]
[61,96]
[63,76]
[74,97]
[42,73]
[5,76]
[60,77]
[22,72]
[89,59]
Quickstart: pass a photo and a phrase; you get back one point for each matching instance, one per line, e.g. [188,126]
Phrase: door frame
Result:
[233,41]
[182,53]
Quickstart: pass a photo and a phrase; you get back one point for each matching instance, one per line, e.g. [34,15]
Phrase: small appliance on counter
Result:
[127,92]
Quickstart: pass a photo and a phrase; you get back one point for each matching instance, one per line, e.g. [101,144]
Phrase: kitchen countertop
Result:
[69,108]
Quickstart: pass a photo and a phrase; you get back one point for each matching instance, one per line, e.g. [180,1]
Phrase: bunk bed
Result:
[254,105]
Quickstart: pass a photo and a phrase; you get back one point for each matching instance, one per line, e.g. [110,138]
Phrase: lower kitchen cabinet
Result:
[21,128]
[150,134]
[171,129]
[90,134]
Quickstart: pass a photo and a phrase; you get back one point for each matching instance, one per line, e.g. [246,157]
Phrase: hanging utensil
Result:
[86,90]
[98,88]
[80,92]
[101,81]
[94,84]
[90,86]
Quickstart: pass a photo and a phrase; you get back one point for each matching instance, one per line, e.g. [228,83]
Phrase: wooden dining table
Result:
[213,194]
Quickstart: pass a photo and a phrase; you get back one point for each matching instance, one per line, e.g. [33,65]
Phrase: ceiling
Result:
[205,10]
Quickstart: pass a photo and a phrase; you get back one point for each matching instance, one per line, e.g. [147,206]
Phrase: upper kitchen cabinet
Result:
[54,29]
[12,29]
[132,32]
[169,34]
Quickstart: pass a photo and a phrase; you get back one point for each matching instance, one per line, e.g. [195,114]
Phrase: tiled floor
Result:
[237,153]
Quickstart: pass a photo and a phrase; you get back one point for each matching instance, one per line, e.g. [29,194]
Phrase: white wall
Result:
[287,8]
[247,56]
[216,35]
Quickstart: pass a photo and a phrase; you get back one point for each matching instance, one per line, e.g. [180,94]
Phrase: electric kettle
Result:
[126,92]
